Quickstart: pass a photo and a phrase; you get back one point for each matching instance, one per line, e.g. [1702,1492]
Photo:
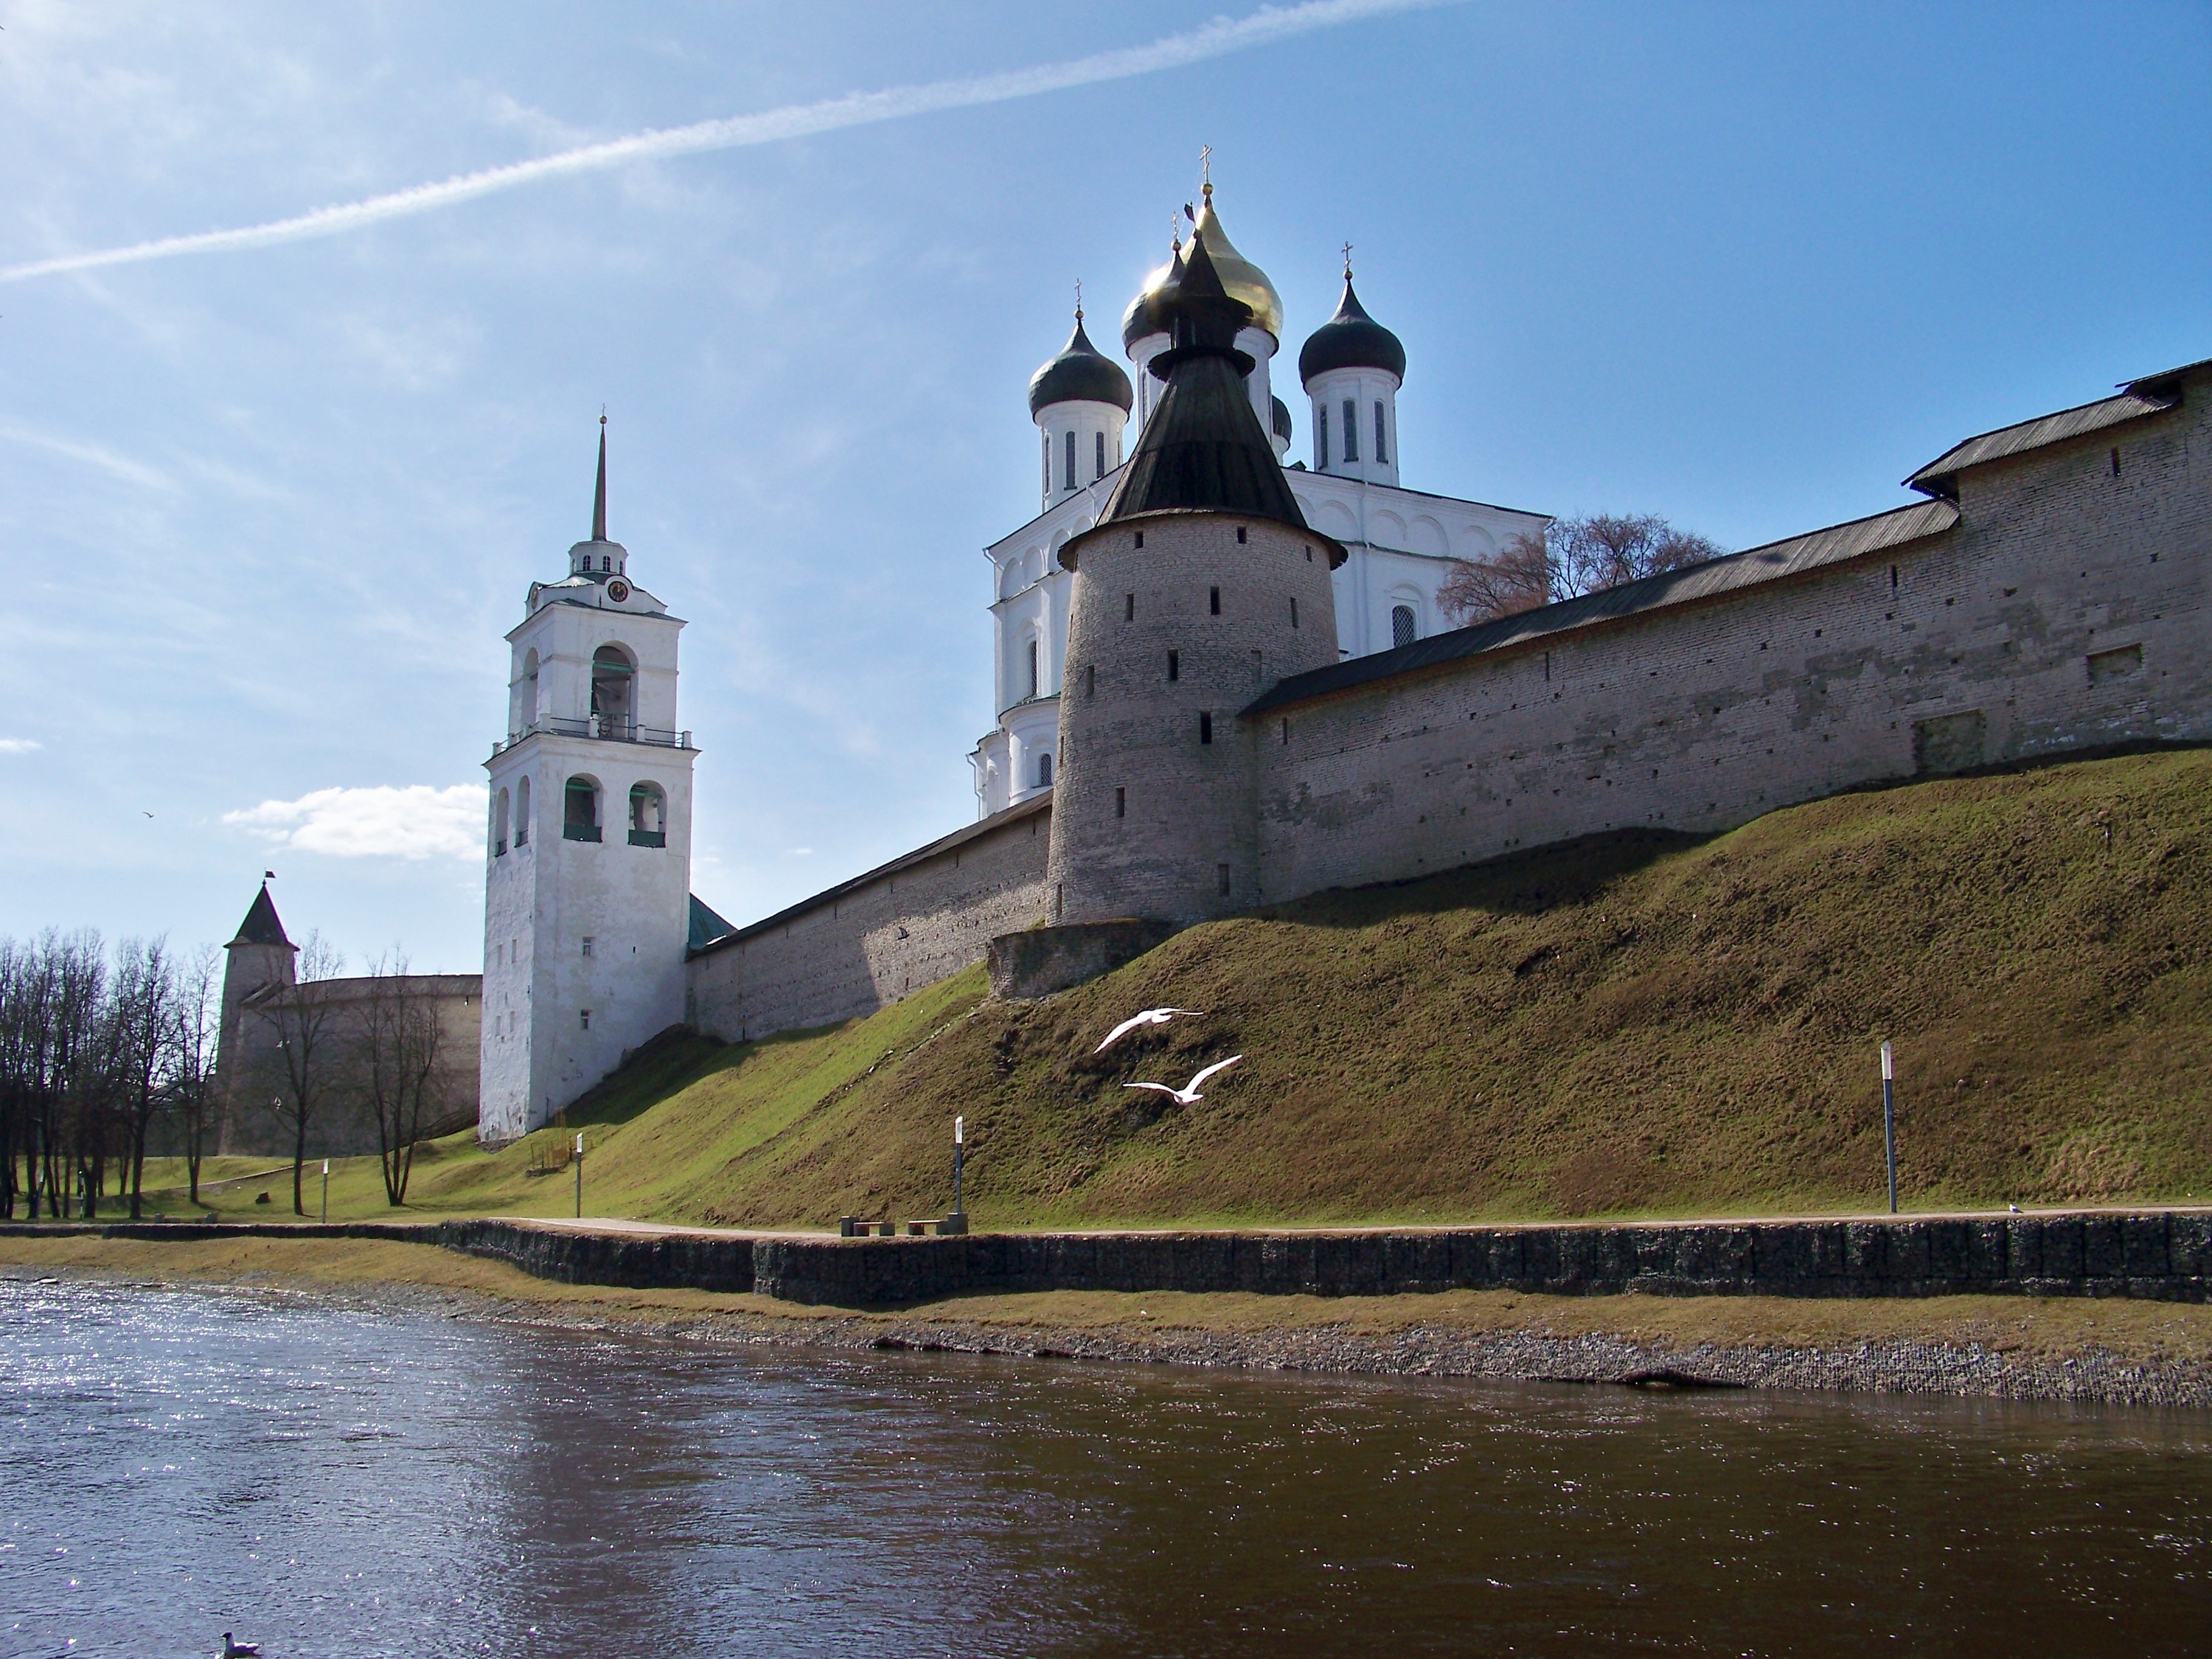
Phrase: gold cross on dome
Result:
[1078,299]
[1348,262]
[1206,168]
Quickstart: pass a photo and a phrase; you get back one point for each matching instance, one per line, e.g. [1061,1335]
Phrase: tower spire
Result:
[599,495]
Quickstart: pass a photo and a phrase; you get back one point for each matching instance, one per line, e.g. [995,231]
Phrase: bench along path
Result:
[2152,1255]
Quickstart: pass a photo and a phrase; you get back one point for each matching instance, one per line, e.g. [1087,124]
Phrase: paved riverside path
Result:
[2157,1255]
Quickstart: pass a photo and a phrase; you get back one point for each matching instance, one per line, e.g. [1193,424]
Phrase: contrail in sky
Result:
[793,121]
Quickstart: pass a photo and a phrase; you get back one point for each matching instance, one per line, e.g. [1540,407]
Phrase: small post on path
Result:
[326,1192]
[958,1221]
[1889,1118]
[580,1175]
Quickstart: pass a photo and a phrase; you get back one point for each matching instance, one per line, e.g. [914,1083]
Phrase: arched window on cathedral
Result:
[1404,628]
[1033,668]
[1044,770]
[1380,453]
[1047,436]
[614,693]
[606,560]
[1100,471]
[1351,430]
[526,703]
[522,810]
[1069,474]
[499,826]
[648,815]
[579,808]
[1321,438]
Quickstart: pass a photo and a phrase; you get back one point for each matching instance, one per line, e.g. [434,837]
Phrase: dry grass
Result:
[1635,1025]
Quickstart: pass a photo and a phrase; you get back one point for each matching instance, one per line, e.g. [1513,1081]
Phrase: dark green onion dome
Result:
[1350,340]
[1203,449]
[1147,313]
[1080,374]
[1282,420]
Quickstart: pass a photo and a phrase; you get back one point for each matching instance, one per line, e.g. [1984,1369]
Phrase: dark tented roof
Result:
[705,925]
[1350,340]
[1080,373]
[1754,565]
[261,925]
[1203,449]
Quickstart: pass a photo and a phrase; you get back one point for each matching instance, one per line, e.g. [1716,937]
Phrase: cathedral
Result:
[1222,683]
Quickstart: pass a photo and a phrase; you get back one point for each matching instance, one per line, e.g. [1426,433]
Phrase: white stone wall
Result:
[867,945]
[1702,716]
[1179,621]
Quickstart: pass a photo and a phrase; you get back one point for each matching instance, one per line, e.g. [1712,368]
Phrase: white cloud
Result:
[1212,39]
[119,467]
[19,745]
[415,823]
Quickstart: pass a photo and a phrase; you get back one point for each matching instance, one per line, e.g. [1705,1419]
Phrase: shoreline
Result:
[2107,1351]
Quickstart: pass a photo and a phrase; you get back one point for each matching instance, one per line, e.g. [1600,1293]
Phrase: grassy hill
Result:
[1638,1024]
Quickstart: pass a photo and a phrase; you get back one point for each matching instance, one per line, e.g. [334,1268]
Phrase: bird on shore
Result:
[1188,1094]
[236,1649]
[1149,1017]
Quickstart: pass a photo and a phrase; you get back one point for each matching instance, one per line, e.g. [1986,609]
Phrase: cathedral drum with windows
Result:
[587,899]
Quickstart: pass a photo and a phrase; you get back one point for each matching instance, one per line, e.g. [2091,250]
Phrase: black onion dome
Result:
[1282,419]
[1080,374]
[1203,449]
[1350,340]
[1147,313]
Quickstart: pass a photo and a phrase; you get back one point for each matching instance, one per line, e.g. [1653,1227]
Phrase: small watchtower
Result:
[1200,585]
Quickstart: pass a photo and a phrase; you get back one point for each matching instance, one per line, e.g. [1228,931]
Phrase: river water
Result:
[332,1480]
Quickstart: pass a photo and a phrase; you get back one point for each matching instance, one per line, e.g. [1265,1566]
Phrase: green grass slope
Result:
[1633,1024]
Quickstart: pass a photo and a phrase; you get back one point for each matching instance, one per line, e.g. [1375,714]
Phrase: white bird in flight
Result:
[1188,1094]
[1149,1017]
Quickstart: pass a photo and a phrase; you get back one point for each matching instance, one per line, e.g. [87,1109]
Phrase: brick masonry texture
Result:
[875,940]
[1153,811]
[1968,647]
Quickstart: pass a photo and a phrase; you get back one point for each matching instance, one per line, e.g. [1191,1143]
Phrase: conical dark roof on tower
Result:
[261,925]
[1204,449]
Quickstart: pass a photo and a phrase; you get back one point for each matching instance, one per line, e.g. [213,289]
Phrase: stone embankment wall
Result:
[870,942]
[2157,1255]
[2067,607]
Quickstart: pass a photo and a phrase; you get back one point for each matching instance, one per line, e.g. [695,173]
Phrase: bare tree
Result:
[1572,558]
[302,1017]
[404,1059]
[72,1101]
[1519,579]
[144,1022]
[196,1024]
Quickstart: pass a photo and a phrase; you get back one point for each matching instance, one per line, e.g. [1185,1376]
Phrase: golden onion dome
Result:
[1241,279]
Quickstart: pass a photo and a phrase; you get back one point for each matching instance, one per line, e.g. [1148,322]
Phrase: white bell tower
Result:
[587,897]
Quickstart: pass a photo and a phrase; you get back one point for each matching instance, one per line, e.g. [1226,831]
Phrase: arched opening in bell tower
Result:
[613,692]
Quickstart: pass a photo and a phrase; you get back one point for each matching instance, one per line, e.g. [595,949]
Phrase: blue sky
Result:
[268,511]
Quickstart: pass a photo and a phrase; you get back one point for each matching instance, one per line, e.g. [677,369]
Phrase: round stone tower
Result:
[1200,585]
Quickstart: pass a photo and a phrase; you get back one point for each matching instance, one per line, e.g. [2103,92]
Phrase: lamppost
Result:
[326,1192]
[1889,1118]
[958,1221]
[580,1175]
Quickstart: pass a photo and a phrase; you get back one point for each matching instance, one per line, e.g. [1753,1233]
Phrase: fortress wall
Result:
[853,949]
[1706,714]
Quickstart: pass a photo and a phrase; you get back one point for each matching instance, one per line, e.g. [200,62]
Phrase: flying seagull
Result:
[232,1650]
[1188,1094]
[1149,1017]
